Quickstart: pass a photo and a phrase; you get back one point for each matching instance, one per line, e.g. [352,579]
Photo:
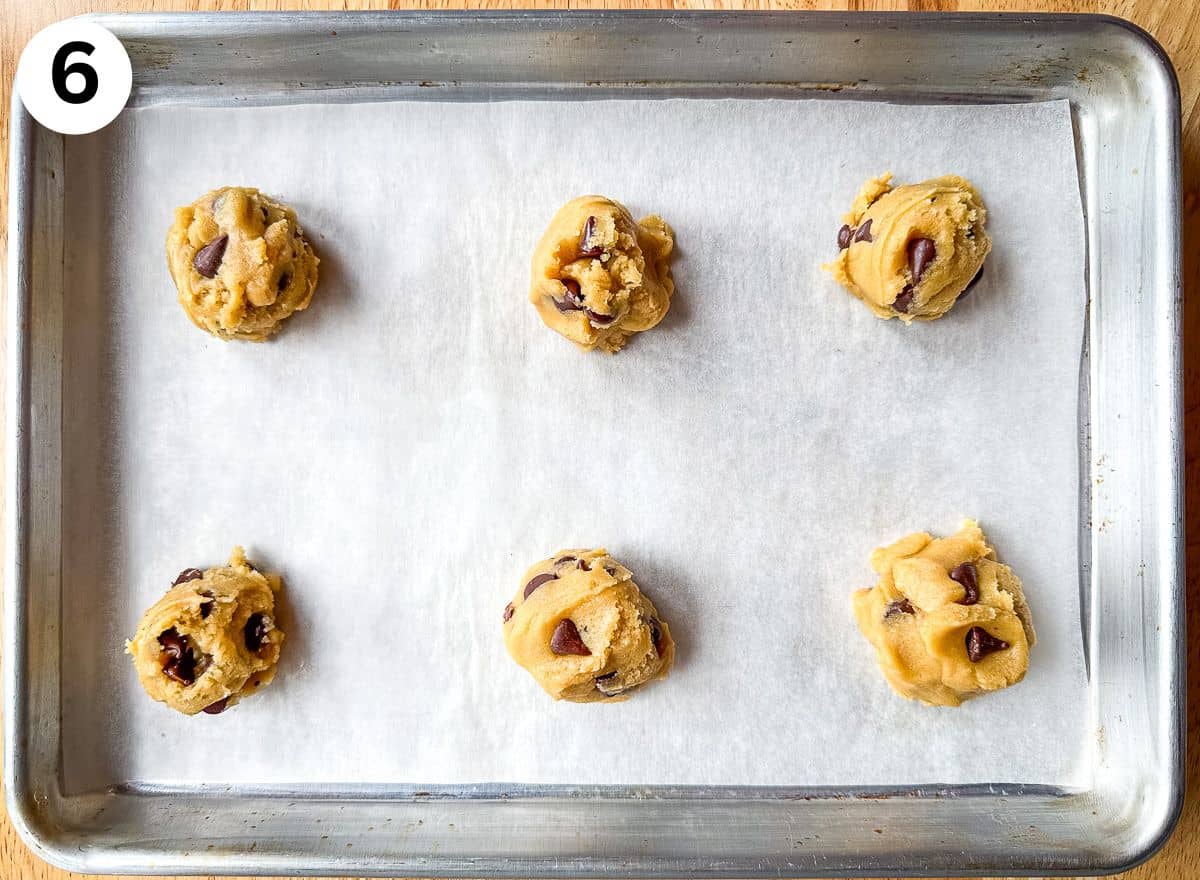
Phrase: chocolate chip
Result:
[543,578]
[573,300]
[508,612]
[254,633]
[980,643]
[845,234]
[208,259]
[206,607]
[605,684]
[188,574]
[656,635]
[900,606]
[585,565]
[966,575]
[566,639]
[864,232]
[564,559]
[974,281]
[586,249]
[172,643]
[921,252]
[612,572]
[216,708]
[599,319]
[904,301]
[178,660]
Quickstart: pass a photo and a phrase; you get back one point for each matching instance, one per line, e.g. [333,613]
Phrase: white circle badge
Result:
[74,77]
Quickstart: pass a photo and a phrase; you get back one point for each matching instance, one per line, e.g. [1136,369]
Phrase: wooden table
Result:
[1175,23]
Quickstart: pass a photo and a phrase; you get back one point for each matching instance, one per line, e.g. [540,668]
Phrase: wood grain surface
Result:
[1175,23]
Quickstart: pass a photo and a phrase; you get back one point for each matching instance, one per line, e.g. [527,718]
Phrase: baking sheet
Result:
[408,446]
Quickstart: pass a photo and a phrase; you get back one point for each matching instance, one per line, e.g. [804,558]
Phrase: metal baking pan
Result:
[1126,109]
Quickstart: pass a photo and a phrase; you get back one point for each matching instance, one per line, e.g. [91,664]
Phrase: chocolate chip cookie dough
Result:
[911,252]
[947,620]
[211,640]
[240,262]
[598,277]
[583,629]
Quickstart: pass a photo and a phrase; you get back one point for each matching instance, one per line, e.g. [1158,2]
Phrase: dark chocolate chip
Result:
[599,319]
[208,259]
[585,565]
[543,578]
[612,572]
[904,301]
[980,643]
[178,659]
[216,708]
[573,300]
[586,249]
[206,607]
[564,559]
[921,252]
[188,574]
[255,631]
[900,606]
[508,612]
[656,635]
[605,684]
[864,232]
[566,639]
[845,234]
[966,575]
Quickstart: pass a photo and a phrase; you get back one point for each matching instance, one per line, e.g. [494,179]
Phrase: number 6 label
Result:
[74,77]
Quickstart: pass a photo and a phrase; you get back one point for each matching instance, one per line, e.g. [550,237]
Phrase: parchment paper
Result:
[408,446]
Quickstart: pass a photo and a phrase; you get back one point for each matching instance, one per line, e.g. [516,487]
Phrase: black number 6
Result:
[60,70]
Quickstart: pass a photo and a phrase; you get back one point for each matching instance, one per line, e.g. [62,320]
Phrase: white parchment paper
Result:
[417,438]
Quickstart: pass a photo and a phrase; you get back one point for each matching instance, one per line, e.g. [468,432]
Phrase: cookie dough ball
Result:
[583,629]
[211,640]
[240,262]
[913,251]
[947,620]
[598,277]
